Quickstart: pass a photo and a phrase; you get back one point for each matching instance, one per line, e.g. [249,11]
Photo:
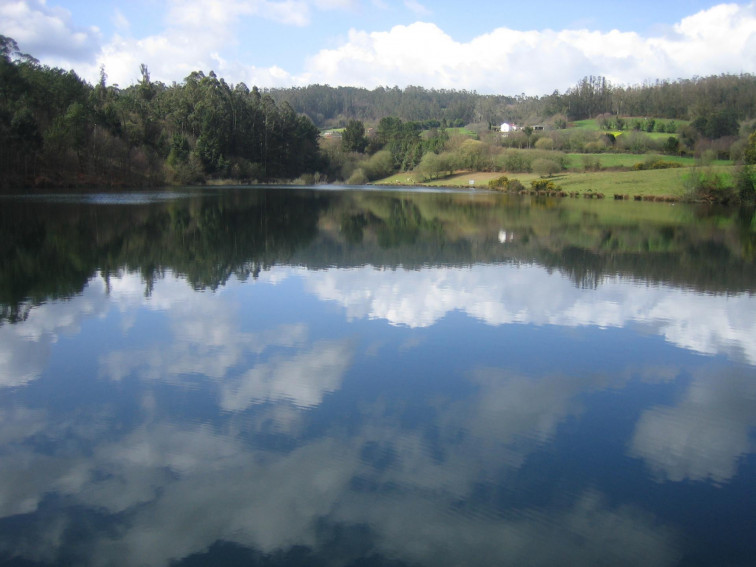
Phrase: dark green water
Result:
[327,377]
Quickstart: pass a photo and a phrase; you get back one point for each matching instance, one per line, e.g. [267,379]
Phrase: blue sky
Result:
[491,47]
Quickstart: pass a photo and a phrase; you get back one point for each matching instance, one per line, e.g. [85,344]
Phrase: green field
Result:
[462,131]
[658,182]
[588,124]
[592,124]
[612,160]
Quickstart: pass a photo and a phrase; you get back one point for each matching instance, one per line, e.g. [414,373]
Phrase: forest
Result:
[57,130]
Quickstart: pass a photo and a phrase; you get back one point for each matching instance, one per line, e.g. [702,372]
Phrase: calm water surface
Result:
[301,377]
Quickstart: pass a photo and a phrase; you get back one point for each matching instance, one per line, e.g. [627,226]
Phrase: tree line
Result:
[58,130]
[717,99]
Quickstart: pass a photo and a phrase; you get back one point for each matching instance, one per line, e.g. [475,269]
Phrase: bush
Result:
[377,166]
[544,185]
[635,142]
[745,184]
[503,183]
[703,184]
[499,182]
[749,153]
[358,177]
[655,162]
[545,167]
[591,163]
[672,145]
[516,161]
[596,147]
[189,172]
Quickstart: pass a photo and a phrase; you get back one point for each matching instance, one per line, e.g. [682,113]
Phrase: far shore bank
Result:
[670,185]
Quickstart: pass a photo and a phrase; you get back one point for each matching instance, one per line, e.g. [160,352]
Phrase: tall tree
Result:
[353,138]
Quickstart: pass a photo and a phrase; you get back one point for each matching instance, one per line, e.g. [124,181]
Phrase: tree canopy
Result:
[58,130]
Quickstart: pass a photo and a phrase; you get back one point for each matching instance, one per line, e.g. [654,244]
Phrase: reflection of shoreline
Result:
[209,236]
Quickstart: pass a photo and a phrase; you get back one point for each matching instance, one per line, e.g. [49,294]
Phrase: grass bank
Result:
[632,184]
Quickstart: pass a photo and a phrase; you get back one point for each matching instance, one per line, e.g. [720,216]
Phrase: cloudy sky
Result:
[491,46]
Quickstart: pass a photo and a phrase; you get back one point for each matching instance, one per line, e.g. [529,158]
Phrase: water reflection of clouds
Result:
[25,346]
[181,488]
[300,371]
[302,379]
[705,434]
[221,488]
[497,295]
[296,370]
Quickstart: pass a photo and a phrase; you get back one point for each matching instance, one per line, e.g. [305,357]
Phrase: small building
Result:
[506,128]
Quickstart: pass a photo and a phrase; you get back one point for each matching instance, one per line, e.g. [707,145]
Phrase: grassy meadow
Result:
[630,183]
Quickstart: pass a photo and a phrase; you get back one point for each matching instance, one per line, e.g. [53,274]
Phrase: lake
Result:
[298,376]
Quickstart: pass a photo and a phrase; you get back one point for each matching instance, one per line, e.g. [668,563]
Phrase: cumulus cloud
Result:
[207,34]
[506,60]
[49,33]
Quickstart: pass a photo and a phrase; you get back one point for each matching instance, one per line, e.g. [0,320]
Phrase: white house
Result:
[506,128]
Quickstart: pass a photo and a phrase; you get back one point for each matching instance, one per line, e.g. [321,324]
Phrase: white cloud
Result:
[120,21]
[48,33]
[416,8]
[511,61]
[202,35]
[336,4]
[196,37]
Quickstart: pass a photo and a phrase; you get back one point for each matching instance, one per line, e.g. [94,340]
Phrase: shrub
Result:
[591,163]
[749,153]
[635,142]
[745,184]
[378,165]
[516,161]
[499,182]
[545,167]
[358,177]
[594,147]
[703,184]
[655,162]
[672,145]
[503,183]
[544,185]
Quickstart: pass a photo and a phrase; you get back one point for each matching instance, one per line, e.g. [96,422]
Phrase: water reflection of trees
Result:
[50,249]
